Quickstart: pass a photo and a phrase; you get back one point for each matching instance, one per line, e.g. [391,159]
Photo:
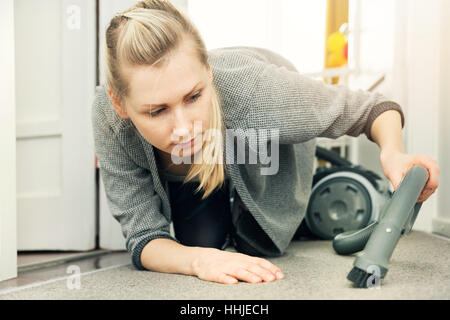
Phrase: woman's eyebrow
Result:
[164,104]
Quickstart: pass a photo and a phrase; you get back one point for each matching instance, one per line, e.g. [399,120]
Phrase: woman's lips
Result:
[187,144]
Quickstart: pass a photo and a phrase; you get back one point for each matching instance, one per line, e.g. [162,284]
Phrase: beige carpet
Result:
[419,269]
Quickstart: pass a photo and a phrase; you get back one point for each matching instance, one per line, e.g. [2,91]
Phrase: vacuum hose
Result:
[380,238]
[353,241]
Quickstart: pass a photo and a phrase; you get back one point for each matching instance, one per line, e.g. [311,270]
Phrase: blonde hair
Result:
[144,35]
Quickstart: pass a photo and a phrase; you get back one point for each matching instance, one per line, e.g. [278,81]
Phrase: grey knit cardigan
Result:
[259,89]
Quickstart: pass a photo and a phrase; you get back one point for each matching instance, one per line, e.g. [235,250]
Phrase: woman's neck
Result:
[167,164]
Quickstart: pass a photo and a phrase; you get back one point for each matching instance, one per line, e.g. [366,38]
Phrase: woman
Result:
[165,127]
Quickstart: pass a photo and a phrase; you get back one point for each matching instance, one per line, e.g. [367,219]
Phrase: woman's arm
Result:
[387,134]
[208,264]
[303,108]
[165,255]
[270,94]
[386,131]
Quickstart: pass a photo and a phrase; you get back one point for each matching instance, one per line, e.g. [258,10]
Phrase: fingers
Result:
[252,273]
[257,270]
[217,276]
[426,193]
[271,267]
[228,268]
[241,274]
[433,177]
[264,274]
[226,279]
[245,275]
[433,181]
[433,170]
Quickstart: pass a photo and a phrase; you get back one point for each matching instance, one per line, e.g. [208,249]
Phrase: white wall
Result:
[371,49]
[293,28]
[8,249]
[441,221]
[416,83]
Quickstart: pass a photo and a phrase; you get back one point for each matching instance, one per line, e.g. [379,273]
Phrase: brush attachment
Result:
[363,279]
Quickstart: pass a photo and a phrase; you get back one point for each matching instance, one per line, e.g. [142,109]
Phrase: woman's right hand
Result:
[228,267]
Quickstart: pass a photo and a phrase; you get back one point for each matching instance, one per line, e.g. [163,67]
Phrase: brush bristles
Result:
[359,277]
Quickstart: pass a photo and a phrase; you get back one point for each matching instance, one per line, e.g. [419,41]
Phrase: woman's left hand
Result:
[396,164]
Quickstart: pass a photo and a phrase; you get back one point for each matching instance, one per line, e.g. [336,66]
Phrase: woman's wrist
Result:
[165,255]
[388,152]
[197,256]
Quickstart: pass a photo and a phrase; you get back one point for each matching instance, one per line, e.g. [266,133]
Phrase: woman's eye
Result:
[155,113]
[191,99]
[194,97]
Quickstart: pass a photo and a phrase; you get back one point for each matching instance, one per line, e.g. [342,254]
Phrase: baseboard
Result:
[441,226]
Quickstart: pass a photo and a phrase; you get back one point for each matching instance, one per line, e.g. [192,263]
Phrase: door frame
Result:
[8,228]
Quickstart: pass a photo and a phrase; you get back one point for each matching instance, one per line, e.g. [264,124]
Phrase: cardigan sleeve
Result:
[302,108]
[129,189]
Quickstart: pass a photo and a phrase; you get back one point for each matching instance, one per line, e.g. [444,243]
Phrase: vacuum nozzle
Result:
[397,216]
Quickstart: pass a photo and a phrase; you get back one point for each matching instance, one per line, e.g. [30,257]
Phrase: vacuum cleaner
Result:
[354,207]
[344,197]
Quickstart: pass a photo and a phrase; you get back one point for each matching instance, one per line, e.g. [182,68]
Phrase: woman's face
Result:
[165,102]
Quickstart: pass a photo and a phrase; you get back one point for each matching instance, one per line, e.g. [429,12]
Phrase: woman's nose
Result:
[181,128]
[180,135]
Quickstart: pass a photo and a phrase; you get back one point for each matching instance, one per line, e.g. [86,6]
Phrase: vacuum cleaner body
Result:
[344,197]
[345,200]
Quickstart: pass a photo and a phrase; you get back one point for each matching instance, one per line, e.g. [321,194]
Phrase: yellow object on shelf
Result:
[336,41]
[336,45]
[336,48]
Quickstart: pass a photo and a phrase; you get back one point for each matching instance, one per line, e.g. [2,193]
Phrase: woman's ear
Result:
[117,106]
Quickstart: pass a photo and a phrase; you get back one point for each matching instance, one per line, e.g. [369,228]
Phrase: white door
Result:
[55,85]
[110,234]
[8,250]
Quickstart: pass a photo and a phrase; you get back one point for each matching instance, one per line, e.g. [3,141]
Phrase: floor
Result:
[39,268]
[419,269]
[36,259]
